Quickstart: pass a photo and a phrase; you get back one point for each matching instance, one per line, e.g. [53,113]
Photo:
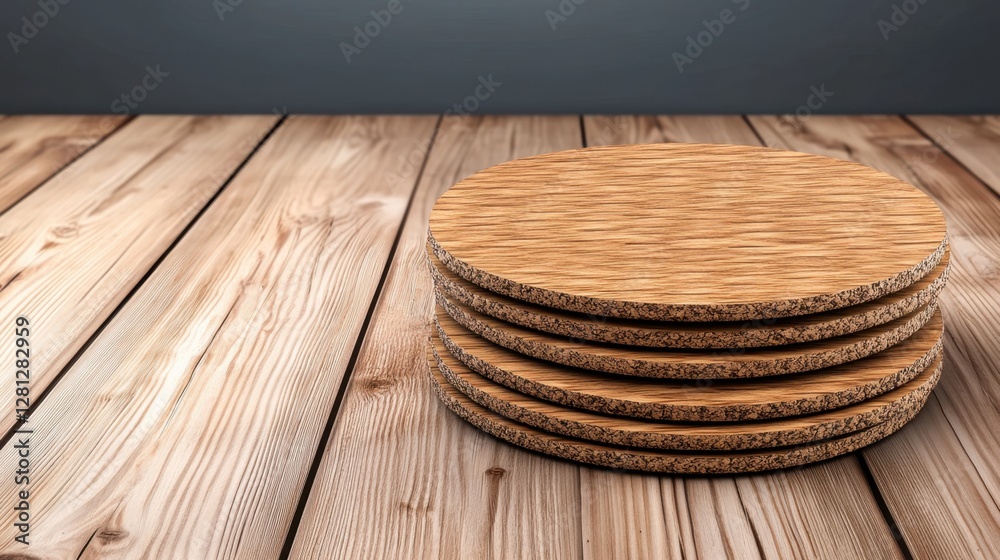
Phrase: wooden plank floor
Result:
[227,328]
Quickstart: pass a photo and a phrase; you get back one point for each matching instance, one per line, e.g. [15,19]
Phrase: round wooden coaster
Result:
[666,435]
[699,400]
[687,232]
[647,460]
[688,364]
[740,334]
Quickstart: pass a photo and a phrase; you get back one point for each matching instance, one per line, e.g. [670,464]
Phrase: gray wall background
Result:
[259,56]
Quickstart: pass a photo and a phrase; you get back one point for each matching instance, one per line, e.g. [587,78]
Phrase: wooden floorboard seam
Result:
[84,549]
[951,426]
[74,159]
[749,123]
[949,154]
[753,528]
[40,398]
[890,520]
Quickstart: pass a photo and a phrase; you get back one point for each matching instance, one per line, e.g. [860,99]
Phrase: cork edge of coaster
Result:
[766,438]
[731,369]
[654,461]
[751,334]
[690,413]
[689,312]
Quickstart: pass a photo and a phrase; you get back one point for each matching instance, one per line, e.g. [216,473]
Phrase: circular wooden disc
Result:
[688,232]
[666,435]
[740,334]
[647,460]
[700,400]
[688,364]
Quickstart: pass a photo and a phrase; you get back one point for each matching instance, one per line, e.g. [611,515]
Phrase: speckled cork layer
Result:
[666,435]
[687,232]
[698,400]
[676,363]
[675,462]
[745,334]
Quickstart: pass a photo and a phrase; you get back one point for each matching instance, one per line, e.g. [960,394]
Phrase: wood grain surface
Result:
[648,460]
[946,504]
[74,248]
[678,363]
[615,430]
[721,233]
[187,430]
[35,147]
[696,400]
[379,468]
[719,335]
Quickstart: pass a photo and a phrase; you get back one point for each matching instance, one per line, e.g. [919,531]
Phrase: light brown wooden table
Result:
[228,318]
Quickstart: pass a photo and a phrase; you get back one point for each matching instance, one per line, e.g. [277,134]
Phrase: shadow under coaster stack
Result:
[684,308]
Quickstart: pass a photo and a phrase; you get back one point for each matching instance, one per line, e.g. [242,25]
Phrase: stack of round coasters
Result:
[686,308]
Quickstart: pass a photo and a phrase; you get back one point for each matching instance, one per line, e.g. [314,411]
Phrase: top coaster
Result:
[687,232]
